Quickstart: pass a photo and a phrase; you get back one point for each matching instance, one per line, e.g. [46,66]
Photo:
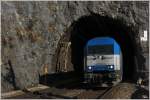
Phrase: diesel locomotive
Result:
[103,62]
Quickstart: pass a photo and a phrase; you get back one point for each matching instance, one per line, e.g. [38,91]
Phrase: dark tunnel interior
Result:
[88,27]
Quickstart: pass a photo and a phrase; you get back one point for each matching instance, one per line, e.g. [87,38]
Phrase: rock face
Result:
[126,91]
[31,32]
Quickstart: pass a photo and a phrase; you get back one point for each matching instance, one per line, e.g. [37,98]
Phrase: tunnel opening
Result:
[92,26]
[70,58]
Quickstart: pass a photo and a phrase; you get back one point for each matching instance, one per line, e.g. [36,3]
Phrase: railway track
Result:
[79,91]
[92,94]
[63,88]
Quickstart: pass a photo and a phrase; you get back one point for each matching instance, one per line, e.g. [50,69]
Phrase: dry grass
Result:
[29,34]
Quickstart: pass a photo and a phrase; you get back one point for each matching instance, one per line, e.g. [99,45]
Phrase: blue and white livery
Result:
[103,61]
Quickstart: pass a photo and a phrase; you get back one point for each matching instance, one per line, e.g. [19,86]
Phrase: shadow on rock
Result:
[140,94]
[59,79]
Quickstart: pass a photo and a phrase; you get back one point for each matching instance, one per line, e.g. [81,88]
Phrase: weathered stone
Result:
[31,32]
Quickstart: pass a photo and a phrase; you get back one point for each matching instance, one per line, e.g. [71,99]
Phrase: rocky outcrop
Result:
[31,32]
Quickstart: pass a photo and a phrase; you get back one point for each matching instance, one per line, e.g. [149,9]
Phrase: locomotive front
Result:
[103,62]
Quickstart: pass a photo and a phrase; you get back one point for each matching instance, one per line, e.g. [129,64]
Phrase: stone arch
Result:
[91,26]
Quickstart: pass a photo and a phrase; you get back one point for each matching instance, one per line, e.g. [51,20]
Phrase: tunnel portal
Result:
[95,25]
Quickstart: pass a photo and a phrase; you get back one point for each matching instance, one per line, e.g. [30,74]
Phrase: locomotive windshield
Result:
[100,49]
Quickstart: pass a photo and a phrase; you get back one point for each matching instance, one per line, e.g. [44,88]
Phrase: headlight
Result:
[111,66]
[90,67]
